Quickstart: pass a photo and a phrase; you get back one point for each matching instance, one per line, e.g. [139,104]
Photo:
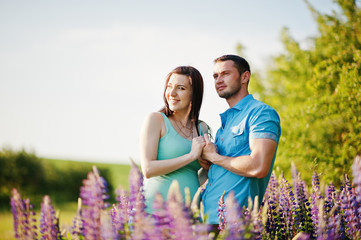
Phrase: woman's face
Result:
[179,92]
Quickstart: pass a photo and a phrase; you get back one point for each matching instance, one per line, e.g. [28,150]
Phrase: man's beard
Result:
[231,93]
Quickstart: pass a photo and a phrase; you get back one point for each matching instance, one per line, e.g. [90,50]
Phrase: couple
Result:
[175,145]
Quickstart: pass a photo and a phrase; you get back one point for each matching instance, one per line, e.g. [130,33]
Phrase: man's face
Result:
[227,79]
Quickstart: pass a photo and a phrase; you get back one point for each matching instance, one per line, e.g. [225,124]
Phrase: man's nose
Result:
[218,79]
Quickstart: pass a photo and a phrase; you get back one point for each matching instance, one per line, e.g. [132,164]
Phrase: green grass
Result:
[118,174]
[6,222]
[6,226]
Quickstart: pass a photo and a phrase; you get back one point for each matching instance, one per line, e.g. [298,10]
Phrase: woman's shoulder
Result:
[155,118]
[203,124]
[156,115]
[206,129]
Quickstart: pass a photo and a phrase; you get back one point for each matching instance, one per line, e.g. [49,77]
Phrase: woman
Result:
[171,140]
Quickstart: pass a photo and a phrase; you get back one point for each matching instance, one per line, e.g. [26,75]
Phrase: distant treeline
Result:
[36,177]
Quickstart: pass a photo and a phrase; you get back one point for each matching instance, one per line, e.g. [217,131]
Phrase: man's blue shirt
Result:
[248,119]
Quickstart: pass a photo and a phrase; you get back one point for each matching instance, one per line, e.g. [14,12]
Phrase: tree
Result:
[317,94]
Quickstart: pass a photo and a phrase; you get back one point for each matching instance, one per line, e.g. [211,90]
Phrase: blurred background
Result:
[78,78]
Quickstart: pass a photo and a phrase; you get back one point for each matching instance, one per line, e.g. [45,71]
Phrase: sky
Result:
[78,78]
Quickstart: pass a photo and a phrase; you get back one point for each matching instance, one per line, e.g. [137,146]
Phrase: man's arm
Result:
[255,165]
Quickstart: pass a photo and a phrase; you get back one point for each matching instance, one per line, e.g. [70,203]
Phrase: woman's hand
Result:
[197,146]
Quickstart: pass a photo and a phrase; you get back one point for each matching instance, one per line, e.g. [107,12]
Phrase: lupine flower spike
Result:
[221,213]
[93,193]
[49,224]
[77,228]
[356,172]
[180,220]
[141,226]
[120,214]
[24,217]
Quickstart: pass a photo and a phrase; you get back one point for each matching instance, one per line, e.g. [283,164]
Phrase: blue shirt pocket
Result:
[239,136]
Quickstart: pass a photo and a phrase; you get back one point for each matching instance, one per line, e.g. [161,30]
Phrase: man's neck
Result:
[232,101]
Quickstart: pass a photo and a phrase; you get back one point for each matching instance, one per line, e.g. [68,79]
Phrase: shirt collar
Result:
[243,102]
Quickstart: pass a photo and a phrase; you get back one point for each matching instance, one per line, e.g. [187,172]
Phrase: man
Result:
[247,140]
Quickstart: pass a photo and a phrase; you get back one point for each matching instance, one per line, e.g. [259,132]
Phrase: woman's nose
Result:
[173,92]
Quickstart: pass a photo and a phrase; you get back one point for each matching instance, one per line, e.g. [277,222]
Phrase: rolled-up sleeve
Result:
[265,124]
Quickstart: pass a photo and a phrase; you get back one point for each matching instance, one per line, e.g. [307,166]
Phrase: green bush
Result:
[60,179]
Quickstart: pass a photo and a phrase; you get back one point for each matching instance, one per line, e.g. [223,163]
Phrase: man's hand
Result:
[205,164]
[209,150]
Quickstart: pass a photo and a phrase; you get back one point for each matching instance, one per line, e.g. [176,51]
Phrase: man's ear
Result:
[245,77]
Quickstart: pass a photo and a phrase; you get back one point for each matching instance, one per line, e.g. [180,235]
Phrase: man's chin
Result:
[223,95]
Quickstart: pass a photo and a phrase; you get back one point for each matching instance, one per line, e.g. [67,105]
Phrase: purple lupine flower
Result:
[143,227]
[334,223]
[120,214]
[275,223]
[161,219]
[77,228]
[331,220]
[30,220]
[107,230]
[93,193]
[316,198]
[221,213]
[180,223]
[24,217]
[356,172]
[256,226]
[285,205]
[271,189]
[49,224]
[233,218]
[272,226]
[348,207]
[242,223]
[136,188]
[303,221]
[201,231]
[17,208]
[331,198]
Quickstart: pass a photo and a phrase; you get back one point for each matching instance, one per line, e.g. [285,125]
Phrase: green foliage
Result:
[21,170]
[59,179]
[316,91]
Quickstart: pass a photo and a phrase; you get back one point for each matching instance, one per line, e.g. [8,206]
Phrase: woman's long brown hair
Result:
[197,93]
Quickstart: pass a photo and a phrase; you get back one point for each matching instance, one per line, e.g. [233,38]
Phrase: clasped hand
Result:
[202,148]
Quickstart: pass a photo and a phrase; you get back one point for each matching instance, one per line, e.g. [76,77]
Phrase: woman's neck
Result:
[181,118]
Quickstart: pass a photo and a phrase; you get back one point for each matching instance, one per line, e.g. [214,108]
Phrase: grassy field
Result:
[118,177]
[119,172]
[66,217]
